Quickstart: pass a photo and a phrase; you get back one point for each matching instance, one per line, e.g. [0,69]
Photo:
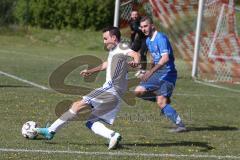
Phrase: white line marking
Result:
[25,81]
[20,53]
[179,94]
[203,95]
[118,153]
[29,54]
[217,86]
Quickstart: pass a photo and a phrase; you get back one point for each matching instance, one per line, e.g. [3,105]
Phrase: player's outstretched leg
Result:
[45,133]
[48,133]
[100,129]
[169,112]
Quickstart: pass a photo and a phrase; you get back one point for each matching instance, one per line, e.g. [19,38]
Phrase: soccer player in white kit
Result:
[104,101]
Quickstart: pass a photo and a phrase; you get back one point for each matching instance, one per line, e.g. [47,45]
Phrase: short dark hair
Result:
[146,18]
[134,10]
[113,31]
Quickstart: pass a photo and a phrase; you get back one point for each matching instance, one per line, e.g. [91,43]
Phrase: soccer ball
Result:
[28,130]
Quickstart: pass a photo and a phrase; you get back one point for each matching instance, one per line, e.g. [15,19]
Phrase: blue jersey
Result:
[159,45]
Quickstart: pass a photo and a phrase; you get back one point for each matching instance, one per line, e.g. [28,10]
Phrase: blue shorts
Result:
[160,86]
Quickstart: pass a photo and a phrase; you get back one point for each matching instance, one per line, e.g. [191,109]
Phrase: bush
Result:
[7,12]
[60,14]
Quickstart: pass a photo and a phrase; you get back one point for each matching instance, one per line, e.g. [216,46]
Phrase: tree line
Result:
[57,14]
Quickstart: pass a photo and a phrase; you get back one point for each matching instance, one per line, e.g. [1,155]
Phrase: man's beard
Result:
[111,47]
[105,48]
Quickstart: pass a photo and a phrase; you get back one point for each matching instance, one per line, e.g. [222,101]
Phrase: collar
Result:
[153,36]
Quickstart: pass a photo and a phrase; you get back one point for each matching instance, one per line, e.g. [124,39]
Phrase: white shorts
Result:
[105,103]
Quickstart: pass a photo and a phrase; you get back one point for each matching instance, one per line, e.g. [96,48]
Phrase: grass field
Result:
[211,114]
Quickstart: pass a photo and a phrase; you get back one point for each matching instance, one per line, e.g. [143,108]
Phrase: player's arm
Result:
[164,59]
[88,72]
[136,58]
[151,60]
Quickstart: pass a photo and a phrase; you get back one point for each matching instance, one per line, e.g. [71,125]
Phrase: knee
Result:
[138,92]
[162,102]
[76,106]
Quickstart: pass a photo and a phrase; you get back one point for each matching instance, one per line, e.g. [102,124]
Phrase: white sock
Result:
[59,123]
[179,122]
[100,129]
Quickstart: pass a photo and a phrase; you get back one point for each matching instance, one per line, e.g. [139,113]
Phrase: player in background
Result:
[157,84]
[138,39]
[105,101]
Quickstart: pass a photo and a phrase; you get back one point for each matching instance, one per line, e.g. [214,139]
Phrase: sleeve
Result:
[124,49]
[163,45]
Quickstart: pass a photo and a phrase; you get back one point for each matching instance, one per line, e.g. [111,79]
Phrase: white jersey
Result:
[106,99]
[116,72]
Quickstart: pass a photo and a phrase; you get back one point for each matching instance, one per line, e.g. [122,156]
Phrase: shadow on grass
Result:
[205,147]
[14,86]
[212,128]
[39,138]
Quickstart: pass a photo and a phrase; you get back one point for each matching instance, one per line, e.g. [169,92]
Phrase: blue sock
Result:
[170,113]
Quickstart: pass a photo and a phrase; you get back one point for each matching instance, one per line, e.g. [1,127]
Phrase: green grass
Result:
[211,114]
[238,19]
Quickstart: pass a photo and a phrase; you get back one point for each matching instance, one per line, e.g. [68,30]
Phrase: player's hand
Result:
[146,76]
[140,73]
[133,64]
[85,73]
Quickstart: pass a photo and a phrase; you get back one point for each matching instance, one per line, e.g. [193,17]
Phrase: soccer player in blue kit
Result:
[157,84]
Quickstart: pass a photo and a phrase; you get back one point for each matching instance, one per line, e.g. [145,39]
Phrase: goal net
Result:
[219,57]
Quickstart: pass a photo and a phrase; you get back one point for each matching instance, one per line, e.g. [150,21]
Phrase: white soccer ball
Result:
[29,130]
[140,73]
